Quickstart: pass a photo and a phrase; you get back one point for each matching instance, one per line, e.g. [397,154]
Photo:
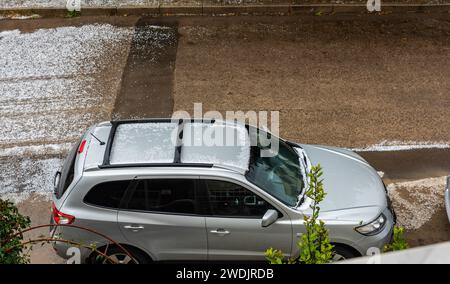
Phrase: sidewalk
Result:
[51,8]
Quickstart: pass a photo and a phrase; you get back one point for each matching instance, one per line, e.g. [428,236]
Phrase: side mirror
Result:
[269,218]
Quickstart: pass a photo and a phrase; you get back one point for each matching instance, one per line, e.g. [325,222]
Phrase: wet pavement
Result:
[410,164]
[336,80]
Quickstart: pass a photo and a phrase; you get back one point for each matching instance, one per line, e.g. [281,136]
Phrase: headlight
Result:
[373,227]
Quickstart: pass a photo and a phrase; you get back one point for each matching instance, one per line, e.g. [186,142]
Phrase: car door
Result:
[161,216]
[234,226]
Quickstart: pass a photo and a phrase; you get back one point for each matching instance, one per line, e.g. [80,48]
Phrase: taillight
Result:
[81,148]
[61,218]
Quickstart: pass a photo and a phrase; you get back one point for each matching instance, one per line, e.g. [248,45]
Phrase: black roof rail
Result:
[162,120]
[143,165]
[177,155]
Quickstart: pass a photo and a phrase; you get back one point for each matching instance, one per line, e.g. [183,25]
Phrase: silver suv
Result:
[154,189]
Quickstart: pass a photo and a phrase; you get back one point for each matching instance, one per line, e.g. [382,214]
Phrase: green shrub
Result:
[73,14]
[274,256]
[398,241]
[12,222]
[315,246]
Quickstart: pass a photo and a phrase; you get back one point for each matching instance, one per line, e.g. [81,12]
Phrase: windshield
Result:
[279,175]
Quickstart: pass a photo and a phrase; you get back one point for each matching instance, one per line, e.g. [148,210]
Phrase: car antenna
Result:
[100,141]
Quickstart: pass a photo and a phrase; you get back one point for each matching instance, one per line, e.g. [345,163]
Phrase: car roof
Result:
[168,143]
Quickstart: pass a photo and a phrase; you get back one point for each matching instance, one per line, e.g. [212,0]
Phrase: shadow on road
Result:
[147,82]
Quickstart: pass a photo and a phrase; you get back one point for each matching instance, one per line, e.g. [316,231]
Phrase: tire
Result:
[343,253]
[118,256]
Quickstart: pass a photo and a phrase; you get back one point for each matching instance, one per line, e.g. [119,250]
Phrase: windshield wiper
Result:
[292,145]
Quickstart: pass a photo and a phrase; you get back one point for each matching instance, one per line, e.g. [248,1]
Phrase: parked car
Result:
[177,201]
[447,197]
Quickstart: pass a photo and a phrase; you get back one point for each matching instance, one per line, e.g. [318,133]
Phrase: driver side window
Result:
[232,200]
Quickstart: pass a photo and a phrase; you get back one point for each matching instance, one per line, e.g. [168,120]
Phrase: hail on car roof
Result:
[165,142]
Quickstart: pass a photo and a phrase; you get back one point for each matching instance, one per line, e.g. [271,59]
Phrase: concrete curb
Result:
[208,10]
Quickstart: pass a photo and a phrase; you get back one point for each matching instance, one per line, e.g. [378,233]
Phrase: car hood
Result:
[349,181]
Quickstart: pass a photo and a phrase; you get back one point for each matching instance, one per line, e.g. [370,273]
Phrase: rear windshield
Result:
[67,172]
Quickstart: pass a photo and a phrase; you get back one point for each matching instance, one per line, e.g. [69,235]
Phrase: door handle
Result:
[134,228]
[220,232]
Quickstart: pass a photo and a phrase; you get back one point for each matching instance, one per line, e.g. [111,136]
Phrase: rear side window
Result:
[107,194]
[67,172]
[166,196]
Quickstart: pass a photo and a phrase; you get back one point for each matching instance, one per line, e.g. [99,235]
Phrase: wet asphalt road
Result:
[410,164]
[148,88]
